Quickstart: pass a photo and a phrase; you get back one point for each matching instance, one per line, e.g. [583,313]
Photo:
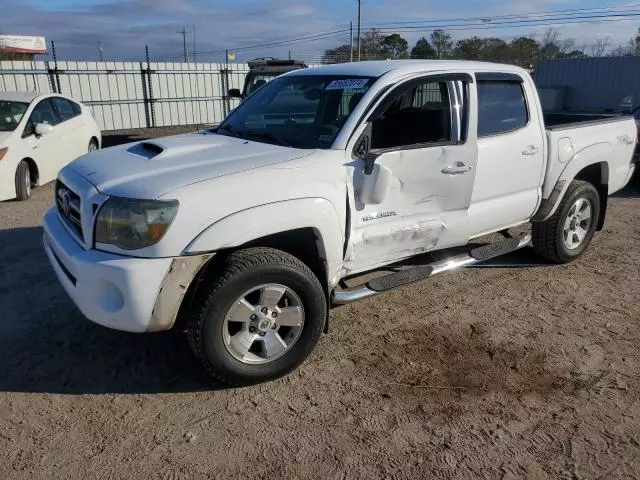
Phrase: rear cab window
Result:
[502,104]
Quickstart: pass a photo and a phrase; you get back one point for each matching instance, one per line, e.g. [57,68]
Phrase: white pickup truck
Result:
[246,235]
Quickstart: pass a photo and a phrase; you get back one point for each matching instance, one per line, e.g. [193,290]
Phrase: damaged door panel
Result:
[426,162]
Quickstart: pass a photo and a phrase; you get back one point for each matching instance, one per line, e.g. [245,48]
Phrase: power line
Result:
[302,39]
[518,23]
[567,12]
[513,21]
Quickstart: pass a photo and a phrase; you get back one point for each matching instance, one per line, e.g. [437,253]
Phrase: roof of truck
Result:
[378,68]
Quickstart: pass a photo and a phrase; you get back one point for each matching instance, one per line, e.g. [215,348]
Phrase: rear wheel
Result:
[23,181]
[257,318]
[567,234]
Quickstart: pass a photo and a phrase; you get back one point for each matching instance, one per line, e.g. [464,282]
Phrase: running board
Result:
[415,274]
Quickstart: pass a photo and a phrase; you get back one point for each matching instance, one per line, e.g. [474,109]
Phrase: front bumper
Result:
[123,293]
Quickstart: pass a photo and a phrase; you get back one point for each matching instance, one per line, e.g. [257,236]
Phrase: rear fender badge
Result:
[378,216]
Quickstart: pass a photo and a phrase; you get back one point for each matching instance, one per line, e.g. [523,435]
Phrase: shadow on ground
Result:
[48,346]
[632,190]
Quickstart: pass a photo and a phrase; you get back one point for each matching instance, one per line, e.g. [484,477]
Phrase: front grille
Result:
[68,203]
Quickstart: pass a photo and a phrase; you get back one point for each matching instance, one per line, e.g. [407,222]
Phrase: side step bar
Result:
[411,275]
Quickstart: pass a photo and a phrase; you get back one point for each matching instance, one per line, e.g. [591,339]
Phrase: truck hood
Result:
[151,168]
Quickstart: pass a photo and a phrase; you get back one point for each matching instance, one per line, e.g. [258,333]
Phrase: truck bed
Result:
[612,137]
[564,120]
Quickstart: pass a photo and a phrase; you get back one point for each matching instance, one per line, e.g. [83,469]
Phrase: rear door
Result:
[424,136]
[511,153]
[73,129]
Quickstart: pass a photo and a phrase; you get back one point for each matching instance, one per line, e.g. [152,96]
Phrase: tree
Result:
[495,50]
[599,47]
[574,54]
[492,49]
[442,43]
[371,45]
[552,46]
[469,49]
[339,54]
[524,51]
[394,46]
[627,50]
[423,49]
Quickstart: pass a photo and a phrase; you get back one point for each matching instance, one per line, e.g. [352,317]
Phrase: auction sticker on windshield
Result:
[349,83]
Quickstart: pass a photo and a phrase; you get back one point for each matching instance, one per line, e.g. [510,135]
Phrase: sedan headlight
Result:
[132,224]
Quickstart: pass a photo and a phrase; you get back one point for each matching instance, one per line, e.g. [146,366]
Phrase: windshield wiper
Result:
[266,136]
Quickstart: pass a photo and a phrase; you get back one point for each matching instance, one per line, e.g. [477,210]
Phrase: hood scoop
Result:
[147,150]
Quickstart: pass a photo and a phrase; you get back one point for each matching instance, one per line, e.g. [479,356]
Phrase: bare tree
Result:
[599,47]
[549,37]
[566,45]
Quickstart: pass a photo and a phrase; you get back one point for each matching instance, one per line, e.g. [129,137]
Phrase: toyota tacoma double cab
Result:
[247,234]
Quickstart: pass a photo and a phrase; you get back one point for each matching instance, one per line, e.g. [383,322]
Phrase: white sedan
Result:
[40,134]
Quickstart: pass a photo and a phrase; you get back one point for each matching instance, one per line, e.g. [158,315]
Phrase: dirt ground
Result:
[497,373]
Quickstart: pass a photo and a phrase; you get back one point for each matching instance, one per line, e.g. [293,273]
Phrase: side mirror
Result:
[362,150]
[235,93]
[43,129]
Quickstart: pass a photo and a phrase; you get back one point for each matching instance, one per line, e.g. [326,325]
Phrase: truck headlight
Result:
[132,224]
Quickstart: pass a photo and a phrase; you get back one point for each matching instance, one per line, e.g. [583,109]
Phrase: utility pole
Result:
[100,52]
[194,44]
[359,25]
[183,32]
[289,54]
[351,41]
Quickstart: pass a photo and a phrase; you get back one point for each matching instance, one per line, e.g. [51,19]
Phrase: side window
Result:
[42,113]
[64,108]
[76,108]
[502,107]
[416,115]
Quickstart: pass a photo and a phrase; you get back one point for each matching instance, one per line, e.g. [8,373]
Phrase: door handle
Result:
[531,150]
[457,169]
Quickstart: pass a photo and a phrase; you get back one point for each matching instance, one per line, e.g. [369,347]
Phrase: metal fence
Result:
[124,95]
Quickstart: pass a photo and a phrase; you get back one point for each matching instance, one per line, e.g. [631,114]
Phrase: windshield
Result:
[10,114]
[302,111]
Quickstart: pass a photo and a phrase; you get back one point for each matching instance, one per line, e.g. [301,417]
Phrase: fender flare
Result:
[594,154]
[260,221]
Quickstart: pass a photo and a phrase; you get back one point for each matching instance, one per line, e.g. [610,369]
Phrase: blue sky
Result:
[125,26]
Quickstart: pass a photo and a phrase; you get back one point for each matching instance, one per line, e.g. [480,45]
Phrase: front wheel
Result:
[23,181]
[568,232]
[257,318]
[93,145]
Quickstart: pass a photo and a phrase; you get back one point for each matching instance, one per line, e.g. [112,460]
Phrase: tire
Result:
[23,181]
[93,145]
[550,238]
[242,280]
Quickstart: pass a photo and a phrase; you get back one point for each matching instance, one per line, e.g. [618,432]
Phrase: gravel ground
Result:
[498,373]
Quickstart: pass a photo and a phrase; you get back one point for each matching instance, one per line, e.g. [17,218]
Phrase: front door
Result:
[47,150]
[418,193]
